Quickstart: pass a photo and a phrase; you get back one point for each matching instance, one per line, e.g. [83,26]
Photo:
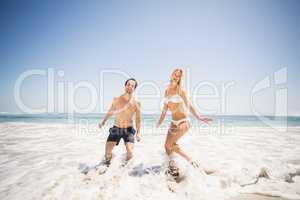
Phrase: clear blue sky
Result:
[217,41]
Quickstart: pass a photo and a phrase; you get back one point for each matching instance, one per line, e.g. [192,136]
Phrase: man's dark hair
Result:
[131,79]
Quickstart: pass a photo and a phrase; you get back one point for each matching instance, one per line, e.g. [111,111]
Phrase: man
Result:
[124,107]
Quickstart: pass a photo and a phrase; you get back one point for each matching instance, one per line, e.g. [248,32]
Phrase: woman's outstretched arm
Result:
[192,109]
[163,115]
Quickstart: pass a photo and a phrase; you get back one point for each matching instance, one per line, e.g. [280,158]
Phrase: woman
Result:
[177,102]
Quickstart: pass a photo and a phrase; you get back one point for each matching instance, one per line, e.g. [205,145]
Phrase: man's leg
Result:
[108,151]
[129,149]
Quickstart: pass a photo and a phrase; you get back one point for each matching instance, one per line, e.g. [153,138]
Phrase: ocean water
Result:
[42,156]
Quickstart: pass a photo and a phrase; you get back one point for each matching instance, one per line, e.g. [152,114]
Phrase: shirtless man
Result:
[124,107]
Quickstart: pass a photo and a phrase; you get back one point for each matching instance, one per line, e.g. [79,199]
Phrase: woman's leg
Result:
[173,136]
[178,150]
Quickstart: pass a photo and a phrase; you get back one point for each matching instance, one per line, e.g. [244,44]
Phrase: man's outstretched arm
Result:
[108,114]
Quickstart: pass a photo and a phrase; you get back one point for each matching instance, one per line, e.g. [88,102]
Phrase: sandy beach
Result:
[44,161]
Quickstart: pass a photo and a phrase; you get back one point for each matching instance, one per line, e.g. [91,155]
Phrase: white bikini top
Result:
[174,99]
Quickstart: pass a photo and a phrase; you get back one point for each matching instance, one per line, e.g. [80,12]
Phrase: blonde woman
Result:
[177,102]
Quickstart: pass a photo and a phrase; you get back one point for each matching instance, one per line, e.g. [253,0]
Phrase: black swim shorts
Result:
[116,133]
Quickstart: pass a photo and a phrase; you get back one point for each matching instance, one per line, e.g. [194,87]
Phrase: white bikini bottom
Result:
[177,122]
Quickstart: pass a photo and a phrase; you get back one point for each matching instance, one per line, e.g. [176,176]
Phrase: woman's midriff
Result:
[178,116]
[177,113]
